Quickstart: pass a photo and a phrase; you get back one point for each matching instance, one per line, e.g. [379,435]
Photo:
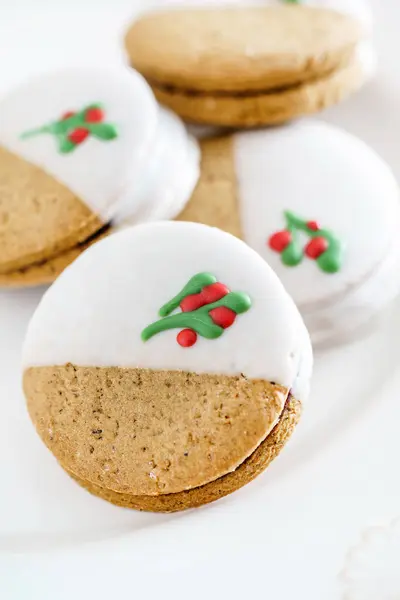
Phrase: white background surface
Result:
[287,535]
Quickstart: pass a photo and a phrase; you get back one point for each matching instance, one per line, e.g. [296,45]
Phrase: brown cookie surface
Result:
[150,432]
[39,217]
[214,201]
[240,49]
[255,464]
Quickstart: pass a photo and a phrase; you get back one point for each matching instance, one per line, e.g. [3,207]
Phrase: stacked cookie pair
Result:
[169,365]
[243,67]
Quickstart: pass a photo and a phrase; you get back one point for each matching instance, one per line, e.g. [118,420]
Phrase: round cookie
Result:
[320,207]
[179,368]
[247,66]
[93,148]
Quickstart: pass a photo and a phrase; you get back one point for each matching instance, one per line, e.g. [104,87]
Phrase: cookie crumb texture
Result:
[34,210]
[240,49]
[146,433]
[253,466]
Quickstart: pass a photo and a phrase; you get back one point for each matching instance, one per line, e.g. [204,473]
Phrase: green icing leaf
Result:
[330,261]
[193,286]
[102,131]
[65,145]
[239,302]
[59,127]
[292,255]
[66,125]
[199,320]
[32,132]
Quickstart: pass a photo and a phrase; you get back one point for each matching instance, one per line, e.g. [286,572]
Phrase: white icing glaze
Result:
[99,172]
[367,55]
[324,174]
[100,305]
[167,180]
[339,322]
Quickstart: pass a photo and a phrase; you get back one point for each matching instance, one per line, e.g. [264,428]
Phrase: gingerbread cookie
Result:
[248,66]
[179,368]
[93,148]
[320,207]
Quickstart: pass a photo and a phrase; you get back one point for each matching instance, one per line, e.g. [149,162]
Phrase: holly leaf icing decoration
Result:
[292,255]
[73,128]
[193,286]
[103,131]
[214,309]
[65,145]
[324,246]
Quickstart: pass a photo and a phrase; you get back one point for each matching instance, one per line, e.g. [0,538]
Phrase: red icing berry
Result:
[67,115]
[192,302]
[223,316]
[313,225]
[94,115]
[316,247]
[214,292]
[186,338]
[280,240]
[78,135]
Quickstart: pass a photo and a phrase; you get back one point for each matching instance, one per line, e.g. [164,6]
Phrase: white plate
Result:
[41,508]
[287,532]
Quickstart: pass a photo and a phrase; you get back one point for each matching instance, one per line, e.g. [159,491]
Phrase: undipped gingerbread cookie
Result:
[178,371]
[248,66]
